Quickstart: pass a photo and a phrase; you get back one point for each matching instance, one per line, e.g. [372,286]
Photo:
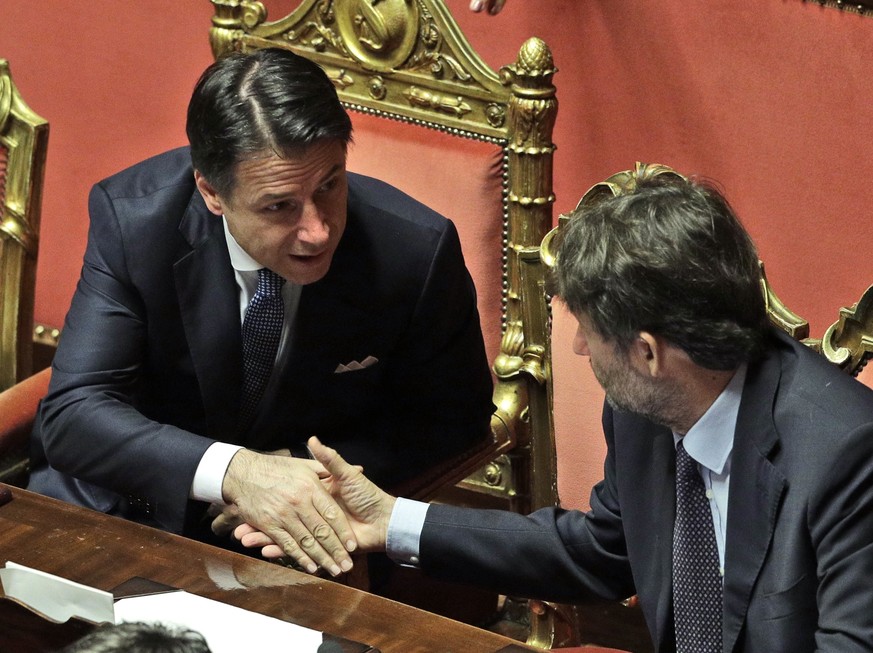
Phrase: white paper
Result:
[227,628]
[54,597]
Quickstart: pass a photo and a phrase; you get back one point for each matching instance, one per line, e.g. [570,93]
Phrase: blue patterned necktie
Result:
[697,580]
[261,332]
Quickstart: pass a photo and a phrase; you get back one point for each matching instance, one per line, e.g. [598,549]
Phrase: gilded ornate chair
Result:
[474,144]
[23,142]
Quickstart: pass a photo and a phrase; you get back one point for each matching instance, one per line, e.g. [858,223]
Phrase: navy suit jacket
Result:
[799,545]
[149,368]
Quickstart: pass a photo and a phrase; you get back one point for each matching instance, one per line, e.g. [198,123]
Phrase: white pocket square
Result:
[354,366]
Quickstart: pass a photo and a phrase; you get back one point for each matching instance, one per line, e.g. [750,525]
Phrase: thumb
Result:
[330,459]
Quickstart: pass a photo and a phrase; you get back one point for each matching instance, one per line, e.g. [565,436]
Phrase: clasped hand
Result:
[359,512]
[285,499]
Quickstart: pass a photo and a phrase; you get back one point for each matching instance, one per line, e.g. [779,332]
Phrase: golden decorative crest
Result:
[380,34]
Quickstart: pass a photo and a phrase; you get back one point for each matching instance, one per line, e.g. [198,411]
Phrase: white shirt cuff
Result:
[209,476]
[404,531]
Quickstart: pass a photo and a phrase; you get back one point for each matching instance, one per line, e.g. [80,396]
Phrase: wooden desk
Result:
[103,552]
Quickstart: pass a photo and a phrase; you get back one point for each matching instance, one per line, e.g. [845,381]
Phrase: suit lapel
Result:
[335,309]
[209,305]
[664,465]
[756,489]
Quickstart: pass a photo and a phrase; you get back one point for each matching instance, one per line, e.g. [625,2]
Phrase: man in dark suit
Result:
[664,283]
[154,411]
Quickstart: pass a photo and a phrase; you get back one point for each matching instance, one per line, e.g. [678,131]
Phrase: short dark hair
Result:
[269,99]
[138,637]
[669,257]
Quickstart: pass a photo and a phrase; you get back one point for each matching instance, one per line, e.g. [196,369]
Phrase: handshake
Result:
[330,510]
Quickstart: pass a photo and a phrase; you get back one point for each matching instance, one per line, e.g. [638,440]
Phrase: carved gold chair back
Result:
[479,150]
[23,142]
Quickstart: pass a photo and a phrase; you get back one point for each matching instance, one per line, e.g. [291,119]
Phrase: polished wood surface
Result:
[103,552]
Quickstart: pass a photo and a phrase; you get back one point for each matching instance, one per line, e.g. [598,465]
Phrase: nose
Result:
[580,343]
[313,229]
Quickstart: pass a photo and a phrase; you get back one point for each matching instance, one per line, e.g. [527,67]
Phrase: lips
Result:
[304,257]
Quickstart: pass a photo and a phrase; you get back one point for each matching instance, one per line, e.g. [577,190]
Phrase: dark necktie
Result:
[697,581]
[261,332]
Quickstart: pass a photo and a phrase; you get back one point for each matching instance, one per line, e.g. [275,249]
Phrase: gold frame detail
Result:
[23,146]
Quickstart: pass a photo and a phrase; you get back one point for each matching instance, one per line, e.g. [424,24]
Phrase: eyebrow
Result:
[272,197]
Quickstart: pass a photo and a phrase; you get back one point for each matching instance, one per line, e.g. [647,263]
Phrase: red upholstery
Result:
[18,406]
[457,177]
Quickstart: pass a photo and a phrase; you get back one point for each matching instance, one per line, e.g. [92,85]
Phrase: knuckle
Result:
[307,542]
[322,532]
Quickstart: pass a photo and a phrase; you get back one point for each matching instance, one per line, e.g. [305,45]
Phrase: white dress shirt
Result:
[709,442]
[209,476]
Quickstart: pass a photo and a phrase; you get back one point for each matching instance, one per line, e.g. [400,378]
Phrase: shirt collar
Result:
[239,258]
[711,439]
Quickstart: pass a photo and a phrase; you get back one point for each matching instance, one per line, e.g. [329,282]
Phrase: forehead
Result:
[268,172]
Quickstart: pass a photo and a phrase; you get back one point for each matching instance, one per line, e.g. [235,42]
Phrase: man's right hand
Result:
[284,498]
[367,508]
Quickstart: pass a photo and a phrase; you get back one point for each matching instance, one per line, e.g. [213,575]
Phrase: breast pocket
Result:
[784,620]
[797,598]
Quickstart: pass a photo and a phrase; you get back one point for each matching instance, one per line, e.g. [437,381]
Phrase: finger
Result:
[221,526]
[495,6]
[330,536]
[272,551]
[253,538]
[331,460]
[312,545]
[287,542]
[311,529]
[244,529]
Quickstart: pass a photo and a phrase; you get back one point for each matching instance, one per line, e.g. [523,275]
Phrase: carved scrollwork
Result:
[428,54]
[495,114]
[253,14]
[454,106]
[848,342]
[381,34]
[376,87]
[515,358]
[509,360]
[534,358]
[324,36]
[341,78]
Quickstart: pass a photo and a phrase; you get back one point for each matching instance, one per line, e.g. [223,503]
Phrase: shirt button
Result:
[414,559]
[708,494]
[721,571]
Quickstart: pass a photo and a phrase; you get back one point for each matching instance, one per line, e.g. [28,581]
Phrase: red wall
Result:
[113,80]
[772,98]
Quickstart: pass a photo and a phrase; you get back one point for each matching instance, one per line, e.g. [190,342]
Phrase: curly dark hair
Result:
[669,257]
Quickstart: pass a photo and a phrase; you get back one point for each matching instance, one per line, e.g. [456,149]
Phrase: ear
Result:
[648,353]
[213,202]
